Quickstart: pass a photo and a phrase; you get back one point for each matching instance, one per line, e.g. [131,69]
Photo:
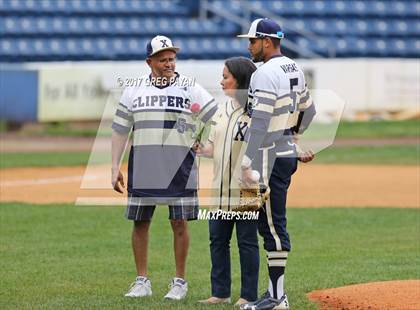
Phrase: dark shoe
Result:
[266,302]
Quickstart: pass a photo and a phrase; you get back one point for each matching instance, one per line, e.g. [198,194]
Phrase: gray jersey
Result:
[161,162]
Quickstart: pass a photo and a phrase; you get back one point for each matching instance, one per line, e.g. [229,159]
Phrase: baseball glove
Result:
[251,198]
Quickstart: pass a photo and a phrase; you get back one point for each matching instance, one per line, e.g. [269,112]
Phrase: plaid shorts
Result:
[142,208]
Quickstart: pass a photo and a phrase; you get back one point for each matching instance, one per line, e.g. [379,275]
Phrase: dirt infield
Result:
[390,295]
[312,186]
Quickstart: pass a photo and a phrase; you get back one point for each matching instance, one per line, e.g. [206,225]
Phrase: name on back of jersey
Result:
[288,68]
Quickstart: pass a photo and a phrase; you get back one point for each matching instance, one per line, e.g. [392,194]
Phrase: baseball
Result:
[255,176]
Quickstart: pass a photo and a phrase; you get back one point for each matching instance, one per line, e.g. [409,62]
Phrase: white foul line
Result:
[68,179]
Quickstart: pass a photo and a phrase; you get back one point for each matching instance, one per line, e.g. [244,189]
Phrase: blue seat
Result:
[399,8]
[88,48]
[305,44]
[41,48]
[119,26]
[381,27]
[379,47]
[103,26]
[335,8]
[321,46]
[403,9]
[230,6]
[15,7]
[71,48]
[341,46]
[318,8]
[297,24]
[56,48]
[399,27]
[193,46]
[359,27]
[413,47]
[58,26]
[149,25]
[7,48]
[414,27]
[358,8]
[413,9]
[398,48]
[319,25]
[358,46]
[9,26]
[376,8]
[342,27]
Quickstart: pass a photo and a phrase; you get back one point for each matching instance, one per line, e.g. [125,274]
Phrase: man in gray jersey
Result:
[280,107]
[161,167]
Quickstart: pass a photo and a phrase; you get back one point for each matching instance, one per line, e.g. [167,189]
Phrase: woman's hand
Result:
[203,150]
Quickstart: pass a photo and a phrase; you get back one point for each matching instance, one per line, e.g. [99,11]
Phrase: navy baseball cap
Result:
[159,44]
[264,27]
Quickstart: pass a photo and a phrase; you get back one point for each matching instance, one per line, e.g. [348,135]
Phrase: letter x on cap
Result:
[263,27]
[159,44]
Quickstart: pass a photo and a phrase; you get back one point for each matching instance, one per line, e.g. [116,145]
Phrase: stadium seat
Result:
[359,46]
[413,47]
[7,48]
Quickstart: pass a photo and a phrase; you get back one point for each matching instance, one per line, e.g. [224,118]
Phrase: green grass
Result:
[384,154]
[379,129]
[388,154]
[65,129]
[43,159]
[67,257]
[2,126]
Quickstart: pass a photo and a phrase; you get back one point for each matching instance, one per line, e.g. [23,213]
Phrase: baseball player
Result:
[161,168]
[280,107]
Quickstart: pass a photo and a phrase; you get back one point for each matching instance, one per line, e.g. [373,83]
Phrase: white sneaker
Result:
[284,303]
[177,289]
[140,288]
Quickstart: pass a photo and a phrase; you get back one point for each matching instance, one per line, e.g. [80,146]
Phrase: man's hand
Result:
[306,156]
[303,156]
[117,181]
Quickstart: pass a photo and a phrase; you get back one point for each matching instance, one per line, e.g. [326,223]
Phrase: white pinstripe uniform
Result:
[229,128]
[278,98]
[280,106]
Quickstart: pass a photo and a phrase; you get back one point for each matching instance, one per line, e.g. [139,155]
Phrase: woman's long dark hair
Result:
[241,69]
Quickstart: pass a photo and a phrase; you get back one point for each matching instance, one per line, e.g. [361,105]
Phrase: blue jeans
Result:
[220,235]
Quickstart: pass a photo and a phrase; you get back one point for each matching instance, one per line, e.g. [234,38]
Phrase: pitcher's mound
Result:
[395,295]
